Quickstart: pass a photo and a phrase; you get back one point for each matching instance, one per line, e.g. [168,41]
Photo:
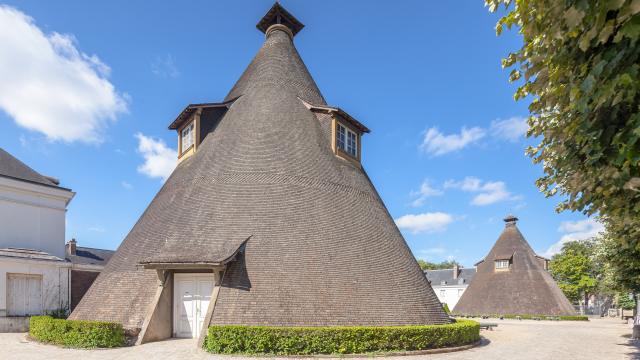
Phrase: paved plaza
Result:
[600,339]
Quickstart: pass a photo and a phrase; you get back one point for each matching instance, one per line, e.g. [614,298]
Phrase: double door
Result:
[192,294]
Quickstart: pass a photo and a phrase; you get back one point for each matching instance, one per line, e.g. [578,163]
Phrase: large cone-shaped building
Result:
[270,199]
[512,279]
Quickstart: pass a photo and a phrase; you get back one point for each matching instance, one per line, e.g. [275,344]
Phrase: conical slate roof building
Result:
[512,279]
[268,219]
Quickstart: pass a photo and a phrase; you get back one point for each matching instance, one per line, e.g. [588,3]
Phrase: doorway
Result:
[191,297]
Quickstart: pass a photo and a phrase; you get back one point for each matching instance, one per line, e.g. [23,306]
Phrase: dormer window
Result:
[346,140]
[344,131]
[195,122]
[187,137]
[502,264]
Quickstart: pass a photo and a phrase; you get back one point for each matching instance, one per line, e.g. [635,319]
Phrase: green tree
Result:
[625,267]
[626,302]
[580,68]
[426,265]
[574,270]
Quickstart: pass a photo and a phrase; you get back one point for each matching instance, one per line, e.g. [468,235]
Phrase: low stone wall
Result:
[14,324]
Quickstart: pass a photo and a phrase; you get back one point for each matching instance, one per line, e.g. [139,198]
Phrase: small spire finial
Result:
[279,15]
[510,220]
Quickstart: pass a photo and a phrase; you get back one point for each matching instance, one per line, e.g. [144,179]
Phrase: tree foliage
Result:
[625,301]
[624,263]
[574,270]
[426,265]
[580,62]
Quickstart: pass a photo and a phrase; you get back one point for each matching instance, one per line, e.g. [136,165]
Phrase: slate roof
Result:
[29,254]
[13,168]
[322,248]
[526,288]
[437,277]
[90,256]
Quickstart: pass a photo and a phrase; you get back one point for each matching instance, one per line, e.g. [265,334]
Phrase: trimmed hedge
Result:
[265,340]
[534,317]
[76,333]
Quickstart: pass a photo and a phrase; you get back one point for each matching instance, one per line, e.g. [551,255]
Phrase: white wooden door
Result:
[24,294]
[192,293]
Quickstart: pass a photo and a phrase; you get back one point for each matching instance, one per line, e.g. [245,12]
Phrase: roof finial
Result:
[278,15]
[510,220]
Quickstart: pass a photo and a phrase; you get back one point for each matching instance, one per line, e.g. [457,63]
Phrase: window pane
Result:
[187,137]
[352,147]
[340,137]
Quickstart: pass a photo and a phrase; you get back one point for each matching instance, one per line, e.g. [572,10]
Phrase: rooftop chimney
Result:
[71,247]
[456,270]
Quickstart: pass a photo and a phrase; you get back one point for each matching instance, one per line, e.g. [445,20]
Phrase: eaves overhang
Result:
[184,114]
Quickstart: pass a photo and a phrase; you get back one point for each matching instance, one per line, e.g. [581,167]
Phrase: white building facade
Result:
[450,284]
[34,275]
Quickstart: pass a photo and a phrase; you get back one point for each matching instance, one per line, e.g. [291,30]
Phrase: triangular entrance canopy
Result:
[301,234]
[512,279]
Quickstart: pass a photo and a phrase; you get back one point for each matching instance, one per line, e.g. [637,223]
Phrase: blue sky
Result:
[90,88]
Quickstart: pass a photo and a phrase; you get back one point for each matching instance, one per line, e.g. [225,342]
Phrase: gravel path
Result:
[600,339]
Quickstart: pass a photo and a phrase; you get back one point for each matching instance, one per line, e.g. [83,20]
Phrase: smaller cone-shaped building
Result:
[512,279]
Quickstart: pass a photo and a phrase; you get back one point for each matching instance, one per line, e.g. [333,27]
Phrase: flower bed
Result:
[264,340]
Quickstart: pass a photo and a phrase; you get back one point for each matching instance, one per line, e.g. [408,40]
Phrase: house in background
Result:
[34,275]
[86,265]
[450,284]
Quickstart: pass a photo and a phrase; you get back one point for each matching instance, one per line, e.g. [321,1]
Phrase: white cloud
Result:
[165,67]
[97,228]
[433,251]
[425,192]
[159,159]
[511,129]
[50,86]
[427,222]
[573,231]
[126,185]
[436,143]
[488,193]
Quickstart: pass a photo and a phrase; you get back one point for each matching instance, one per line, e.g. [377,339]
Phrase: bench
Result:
[488,326]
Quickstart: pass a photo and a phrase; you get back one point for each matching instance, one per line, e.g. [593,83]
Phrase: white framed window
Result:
[186,137]
[502,264]
[346,140]
[443,294]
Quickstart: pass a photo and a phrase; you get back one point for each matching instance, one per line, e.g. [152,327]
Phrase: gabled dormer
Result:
[194,123]
[345,131]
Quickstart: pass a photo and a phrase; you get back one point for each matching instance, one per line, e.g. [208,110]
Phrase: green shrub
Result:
[76,333]
[254,340]
[532,317]
[574,318]
[445,307]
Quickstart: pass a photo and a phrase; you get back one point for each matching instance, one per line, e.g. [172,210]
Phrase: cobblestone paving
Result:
[596,340]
